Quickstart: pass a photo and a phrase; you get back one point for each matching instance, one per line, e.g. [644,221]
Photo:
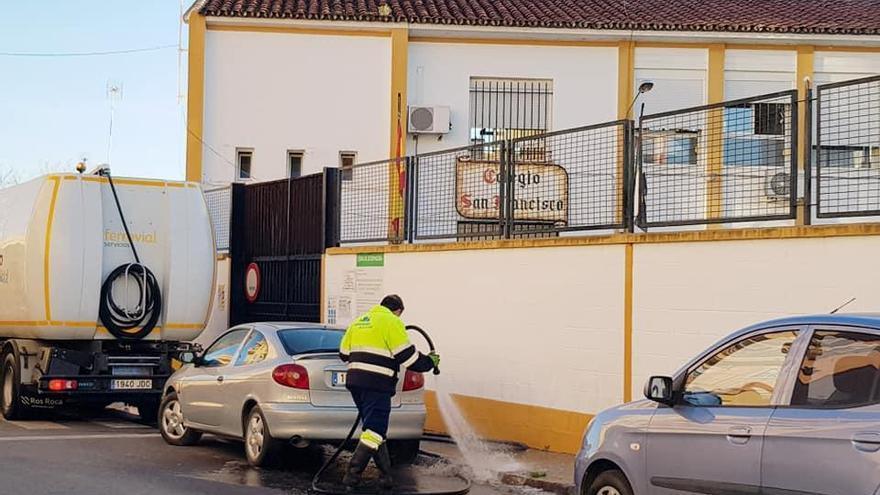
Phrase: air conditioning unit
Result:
[428,120]
[777,186]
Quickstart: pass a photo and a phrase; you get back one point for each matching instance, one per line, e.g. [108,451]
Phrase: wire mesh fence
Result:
[847,148]
[372,202]
[571,180]
[459,194]
[728,162]
[219,203]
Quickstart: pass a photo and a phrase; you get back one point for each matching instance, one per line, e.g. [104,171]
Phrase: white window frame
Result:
[238,154]
[290,154]
[347,173]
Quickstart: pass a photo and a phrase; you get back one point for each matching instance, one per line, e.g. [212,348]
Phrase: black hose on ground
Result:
[121,323]
[357,422]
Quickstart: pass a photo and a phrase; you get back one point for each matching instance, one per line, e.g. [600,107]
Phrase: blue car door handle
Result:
[739,434]
[866,442]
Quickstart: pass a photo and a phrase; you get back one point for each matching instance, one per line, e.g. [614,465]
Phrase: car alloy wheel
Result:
[255,436]
[172,420]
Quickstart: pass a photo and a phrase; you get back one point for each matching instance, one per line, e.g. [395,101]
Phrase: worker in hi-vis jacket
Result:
[376,348]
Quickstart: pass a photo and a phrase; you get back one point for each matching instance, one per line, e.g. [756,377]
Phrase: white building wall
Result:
[584,82]
[686,296]
[275,92]
[528,326]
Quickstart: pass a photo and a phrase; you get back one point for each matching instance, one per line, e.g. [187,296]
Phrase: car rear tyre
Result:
[259,446]
[403,452]
[10,389]
[172,425]
[611,482]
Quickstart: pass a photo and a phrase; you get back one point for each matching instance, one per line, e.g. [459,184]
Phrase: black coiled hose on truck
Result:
[122,323]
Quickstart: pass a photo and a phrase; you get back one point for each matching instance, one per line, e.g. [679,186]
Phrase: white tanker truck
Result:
[103,281]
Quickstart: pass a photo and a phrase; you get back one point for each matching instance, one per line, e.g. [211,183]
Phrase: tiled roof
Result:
[777,16]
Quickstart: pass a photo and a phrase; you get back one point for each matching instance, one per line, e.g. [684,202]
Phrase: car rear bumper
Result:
[288,420]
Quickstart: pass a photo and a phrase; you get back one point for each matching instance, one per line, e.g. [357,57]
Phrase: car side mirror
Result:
[189,357]
[660,389]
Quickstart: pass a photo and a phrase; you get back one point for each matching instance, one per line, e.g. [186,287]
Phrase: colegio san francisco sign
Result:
[540,191]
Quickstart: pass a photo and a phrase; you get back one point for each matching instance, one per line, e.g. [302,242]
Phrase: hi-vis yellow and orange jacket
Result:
[376,348]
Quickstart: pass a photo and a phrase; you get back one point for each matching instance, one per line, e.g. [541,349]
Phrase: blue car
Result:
[785,407]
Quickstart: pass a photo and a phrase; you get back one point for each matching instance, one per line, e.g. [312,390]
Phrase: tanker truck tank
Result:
[102,281]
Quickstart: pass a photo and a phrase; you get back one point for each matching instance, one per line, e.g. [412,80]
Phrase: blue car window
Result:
[310,340]
[223,349]
[742,374]
[254,350]
[840,369]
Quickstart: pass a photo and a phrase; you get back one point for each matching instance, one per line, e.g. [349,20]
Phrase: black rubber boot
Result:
[359,461]
[383,462]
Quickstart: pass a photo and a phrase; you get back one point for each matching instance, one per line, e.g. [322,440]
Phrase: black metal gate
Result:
[282,227]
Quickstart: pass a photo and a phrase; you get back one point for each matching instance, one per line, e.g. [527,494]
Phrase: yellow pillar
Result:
[805,61]
[195,99]
[715,136]
[399,60]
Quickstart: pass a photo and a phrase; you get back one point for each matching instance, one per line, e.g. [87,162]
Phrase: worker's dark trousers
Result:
[374,408]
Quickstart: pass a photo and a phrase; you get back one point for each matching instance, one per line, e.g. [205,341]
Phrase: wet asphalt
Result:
[112,453]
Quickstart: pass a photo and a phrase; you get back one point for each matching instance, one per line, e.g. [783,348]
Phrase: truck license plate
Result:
[131,384]
[338,378]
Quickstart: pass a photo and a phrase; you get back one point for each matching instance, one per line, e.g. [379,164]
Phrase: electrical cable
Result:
[121,323]
[87,54]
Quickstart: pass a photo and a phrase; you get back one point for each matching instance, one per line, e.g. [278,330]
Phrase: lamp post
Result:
[639,177]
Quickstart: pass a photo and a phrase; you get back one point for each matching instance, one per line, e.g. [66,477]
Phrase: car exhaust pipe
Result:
[299,442]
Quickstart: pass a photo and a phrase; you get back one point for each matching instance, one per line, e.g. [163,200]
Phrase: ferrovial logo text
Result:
[114,238]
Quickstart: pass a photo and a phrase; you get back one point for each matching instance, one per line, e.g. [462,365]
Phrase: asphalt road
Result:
[110,453]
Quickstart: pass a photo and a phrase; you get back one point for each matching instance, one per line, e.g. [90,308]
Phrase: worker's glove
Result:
[435,358]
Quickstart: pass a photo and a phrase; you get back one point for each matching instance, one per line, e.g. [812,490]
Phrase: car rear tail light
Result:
[413,381]
[291,375]
[62,385]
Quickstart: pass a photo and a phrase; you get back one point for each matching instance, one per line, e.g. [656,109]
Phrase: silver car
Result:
[274,383]
[787,407]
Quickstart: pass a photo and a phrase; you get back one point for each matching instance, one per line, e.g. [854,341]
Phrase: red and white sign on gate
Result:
[252,282]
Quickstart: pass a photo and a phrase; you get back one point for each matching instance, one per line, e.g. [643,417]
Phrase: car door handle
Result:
[866,442]
[219,378]
[739,434]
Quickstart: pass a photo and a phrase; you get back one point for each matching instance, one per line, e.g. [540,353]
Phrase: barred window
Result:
[503,109]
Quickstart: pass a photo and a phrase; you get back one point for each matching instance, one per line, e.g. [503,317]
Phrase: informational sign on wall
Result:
[540,191]
[355,290]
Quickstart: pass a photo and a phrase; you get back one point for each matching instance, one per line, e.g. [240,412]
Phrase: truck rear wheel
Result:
[10,388]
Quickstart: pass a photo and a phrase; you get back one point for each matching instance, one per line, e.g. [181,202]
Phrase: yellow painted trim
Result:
[798,232]
[399,61]
[715,148]
[538,427]
[46,249]
[628,323]
[661,44]
[805,66]
[625,77]
[512,41]
[854,49]
[129,182]
[87,324]
[378,33]
[195,99]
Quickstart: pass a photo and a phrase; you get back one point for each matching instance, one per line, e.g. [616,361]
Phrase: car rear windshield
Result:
[310,340]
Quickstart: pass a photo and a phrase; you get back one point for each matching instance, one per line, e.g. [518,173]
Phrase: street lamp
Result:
[643,88]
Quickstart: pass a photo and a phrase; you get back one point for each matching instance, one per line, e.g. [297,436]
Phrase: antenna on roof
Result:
[835,310]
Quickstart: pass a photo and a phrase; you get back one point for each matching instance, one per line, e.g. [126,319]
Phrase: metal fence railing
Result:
[219,203]
[459,194]
[847,148]
[372,197]
[571,180]
[728,162]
